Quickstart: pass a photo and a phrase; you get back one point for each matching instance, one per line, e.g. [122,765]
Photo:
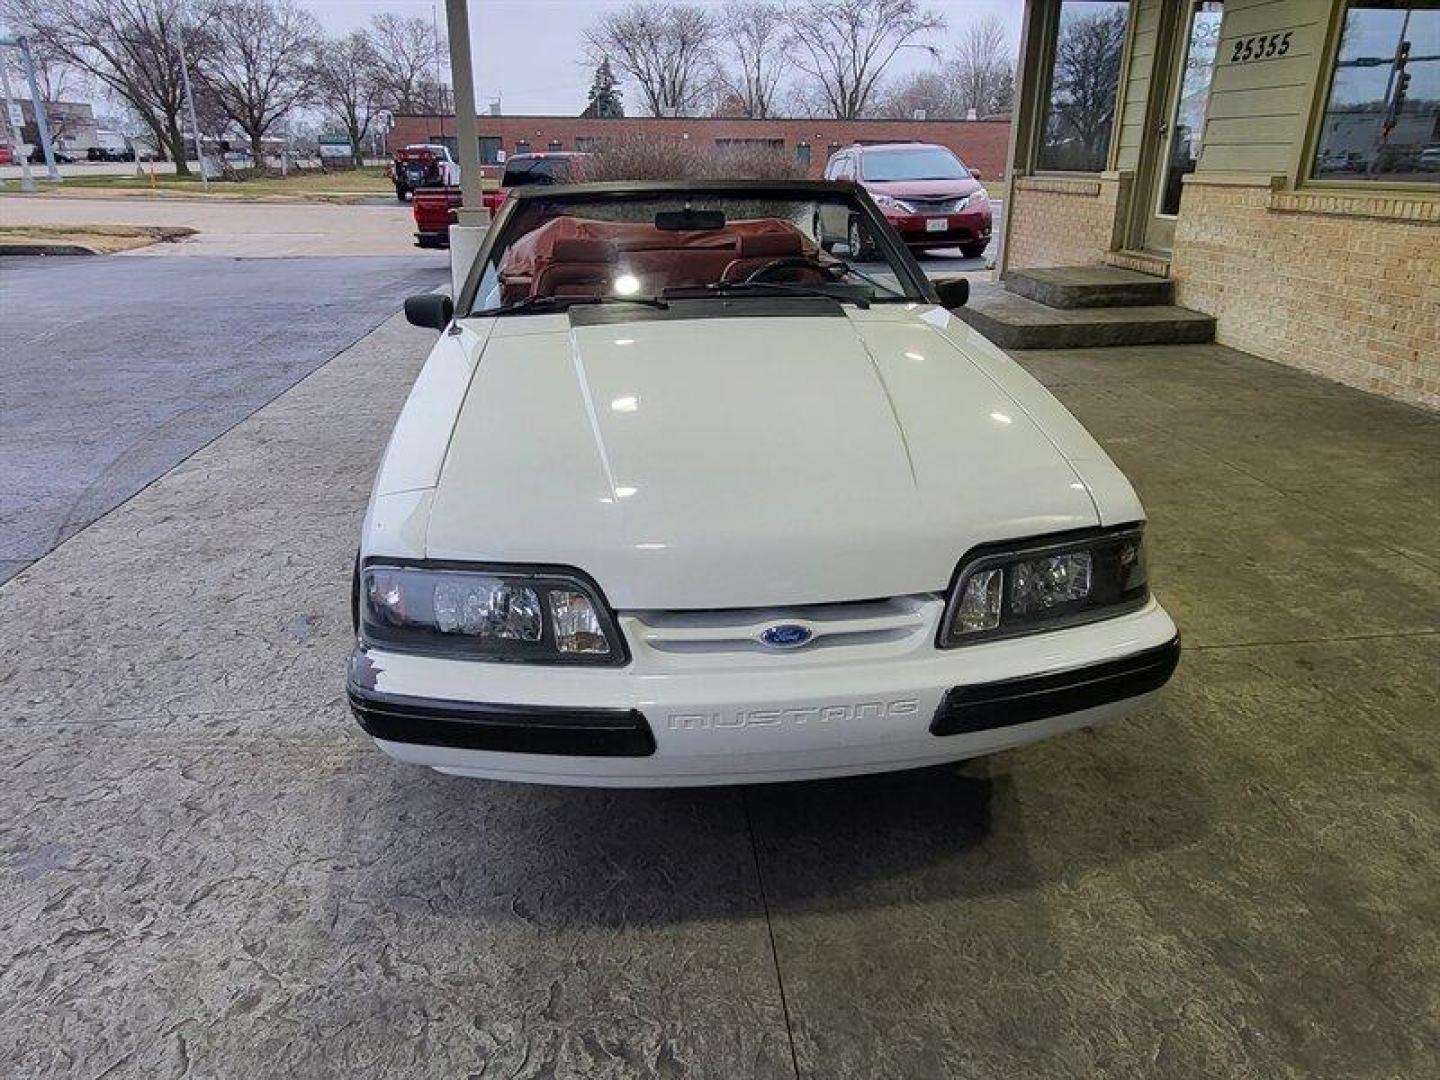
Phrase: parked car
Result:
[110,153]
[434,208]
[422,165]
[6,158]
[681,498]
[37,156]
[926,193]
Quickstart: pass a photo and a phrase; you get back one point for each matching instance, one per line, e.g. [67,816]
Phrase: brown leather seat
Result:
[761,249]
[577,267]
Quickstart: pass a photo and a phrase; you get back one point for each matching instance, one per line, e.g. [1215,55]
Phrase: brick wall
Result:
[981,144]
[1345,286]
[1063,221]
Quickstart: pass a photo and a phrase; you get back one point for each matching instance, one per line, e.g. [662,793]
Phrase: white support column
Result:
[465,238]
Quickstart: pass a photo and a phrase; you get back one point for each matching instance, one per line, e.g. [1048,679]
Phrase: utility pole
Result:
[190,107]
[17,143]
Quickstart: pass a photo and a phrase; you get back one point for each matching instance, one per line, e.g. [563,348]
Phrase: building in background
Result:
[1279,159]
[981,144]
[72,125]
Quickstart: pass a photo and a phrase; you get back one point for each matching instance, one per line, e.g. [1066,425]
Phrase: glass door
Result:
[1181,135]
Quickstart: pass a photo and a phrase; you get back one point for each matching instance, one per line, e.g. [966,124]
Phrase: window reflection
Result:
[1084,78]
[1382,119]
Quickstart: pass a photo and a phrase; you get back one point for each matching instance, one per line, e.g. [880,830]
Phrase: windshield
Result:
[921,163]
[536,170]
[639,247]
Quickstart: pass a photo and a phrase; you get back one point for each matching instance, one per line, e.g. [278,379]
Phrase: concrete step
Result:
[1014,322]
[1090,287]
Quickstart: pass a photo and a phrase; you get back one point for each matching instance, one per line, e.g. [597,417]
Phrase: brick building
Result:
[981,144]
[1278,160]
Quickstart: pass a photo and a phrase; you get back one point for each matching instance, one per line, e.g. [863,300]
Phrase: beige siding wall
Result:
[1145,18]
[1259,110]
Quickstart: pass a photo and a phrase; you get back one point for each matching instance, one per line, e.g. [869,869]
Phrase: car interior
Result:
[572,256]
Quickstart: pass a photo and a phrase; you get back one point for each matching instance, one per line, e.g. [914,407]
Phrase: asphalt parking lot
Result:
[205,869]
[116,369]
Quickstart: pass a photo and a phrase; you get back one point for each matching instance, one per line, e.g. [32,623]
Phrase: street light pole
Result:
[17,143]
[190,107]
[52,171]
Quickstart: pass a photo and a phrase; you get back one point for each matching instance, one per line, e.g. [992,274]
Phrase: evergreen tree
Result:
[604,94]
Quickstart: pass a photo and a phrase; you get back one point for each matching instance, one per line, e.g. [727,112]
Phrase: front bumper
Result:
[967,227]
[760,718]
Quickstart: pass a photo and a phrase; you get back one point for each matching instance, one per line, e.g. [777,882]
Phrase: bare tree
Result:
[130,47]
[845,45]
[665,47]
[981,64]
[1087,75]
[754,32]
[257,63]
[346,87]
[930,90]
[410,53]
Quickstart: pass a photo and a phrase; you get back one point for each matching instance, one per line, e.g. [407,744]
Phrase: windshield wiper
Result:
[724,288]
[543,303]
[867,278]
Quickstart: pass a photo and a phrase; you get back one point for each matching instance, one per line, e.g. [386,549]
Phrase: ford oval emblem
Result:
[786,636]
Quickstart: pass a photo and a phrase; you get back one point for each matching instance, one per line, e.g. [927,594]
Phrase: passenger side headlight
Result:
[894,205]
[500,614]
[1046,584]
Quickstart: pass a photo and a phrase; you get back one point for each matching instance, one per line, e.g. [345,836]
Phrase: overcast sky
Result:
[530,54]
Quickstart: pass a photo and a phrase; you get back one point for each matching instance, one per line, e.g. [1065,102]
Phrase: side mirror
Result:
[953,292]
[977,174]
[434,310]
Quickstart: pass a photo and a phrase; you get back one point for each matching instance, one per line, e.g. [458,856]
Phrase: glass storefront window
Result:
[1382,118]
[1083,79]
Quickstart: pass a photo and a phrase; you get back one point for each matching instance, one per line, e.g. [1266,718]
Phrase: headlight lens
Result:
[503,614]
[1045,585]
[888,202]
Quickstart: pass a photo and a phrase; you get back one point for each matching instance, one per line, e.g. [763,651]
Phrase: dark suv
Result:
[924,191]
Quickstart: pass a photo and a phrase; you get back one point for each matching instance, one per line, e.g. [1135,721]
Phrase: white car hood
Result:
[743,461]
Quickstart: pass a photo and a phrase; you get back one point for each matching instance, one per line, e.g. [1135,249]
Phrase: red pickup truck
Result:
[434,207]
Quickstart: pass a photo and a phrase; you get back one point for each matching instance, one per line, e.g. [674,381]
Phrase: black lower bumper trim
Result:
[984,706]
[521,729]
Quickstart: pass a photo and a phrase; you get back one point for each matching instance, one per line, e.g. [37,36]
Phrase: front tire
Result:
[861,247]
[400,193]
[973,251]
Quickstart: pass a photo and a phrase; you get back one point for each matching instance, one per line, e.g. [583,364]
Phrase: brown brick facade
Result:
[1346,286]
[981,144]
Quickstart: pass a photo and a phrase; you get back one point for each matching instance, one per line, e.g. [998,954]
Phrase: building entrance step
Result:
[1015,322]
[1090,287]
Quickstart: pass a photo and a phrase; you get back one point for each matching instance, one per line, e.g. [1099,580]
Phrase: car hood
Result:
[743,461]
[924,189]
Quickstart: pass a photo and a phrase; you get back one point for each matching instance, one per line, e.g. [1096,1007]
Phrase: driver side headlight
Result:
[1005,591]
[504,613]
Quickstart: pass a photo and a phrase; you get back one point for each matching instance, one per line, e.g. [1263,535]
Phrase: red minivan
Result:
[924,191]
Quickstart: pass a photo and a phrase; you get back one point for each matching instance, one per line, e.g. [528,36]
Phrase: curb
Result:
[46,249]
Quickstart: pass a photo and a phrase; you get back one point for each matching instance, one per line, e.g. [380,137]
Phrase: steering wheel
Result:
[791,262]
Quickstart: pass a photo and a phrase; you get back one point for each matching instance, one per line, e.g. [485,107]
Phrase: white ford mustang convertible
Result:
[683,496]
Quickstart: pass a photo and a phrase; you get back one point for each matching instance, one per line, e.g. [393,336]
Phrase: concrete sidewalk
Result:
[205,869]
[233,229]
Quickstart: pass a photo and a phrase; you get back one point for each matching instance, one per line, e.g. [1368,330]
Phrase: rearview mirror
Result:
[689,220]
[953,292]
[434,310]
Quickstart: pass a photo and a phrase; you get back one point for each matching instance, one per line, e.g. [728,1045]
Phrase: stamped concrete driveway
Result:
[205,869]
